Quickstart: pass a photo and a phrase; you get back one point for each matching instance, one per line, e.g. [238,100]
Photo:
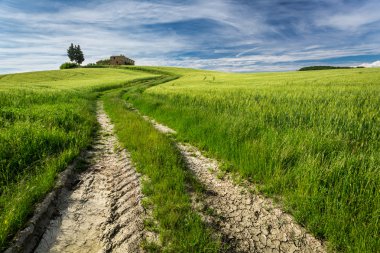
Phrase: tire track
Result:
[103,213]
[247,222]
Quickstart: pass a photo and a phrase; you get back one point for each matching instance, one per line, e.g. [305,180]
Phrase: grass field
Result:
[166,191]
[46,118]
[309,139]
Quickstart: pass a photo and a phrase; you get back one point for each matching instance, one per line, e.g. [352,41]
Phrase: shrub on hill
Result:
[69,65]
[103,62]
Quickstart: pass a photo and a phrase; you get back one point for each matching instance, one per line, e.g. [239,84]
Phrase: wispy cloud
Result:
[352,17]
[230,35]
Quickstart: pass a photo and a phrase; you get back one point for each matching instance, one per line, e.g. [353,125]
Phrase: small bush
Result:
[93,65]
[103,62]
[69,65]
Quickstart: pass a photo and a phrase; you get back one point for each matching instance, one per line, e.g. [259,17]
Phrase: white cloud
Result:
[375,64]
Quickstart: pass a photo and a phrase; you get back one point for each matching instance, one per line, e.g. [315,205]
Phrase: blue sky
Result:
[226,35]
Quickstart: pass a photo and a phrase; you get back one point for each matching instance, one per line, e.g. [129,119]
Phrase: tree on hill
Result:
[75,54]
[71,52]
[79,57]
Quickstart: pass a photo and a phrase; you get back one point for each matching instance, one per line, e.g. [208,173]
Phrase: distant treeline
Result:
[325,67]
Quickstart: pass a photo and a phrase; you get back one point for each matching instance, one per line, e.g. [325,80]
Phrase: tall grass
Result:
[46,118]
[309,139]
[179,227]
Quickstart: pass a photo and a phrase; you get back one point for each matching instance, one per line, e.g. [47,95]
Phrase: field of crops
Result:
[46,118]
[309,139]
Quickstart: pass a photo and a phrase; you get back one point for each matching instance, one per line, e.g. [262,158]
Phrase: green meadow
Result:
[46,119]
[309,140]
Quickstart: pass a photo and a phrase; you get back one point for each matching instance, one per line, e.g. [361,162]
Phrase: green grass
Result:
[46,118]
[179,227]
[311,139]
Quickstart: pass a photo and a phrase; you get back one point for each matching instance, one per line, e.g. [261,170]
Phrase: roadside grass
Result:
[46,119]
[154,155]
[309,138]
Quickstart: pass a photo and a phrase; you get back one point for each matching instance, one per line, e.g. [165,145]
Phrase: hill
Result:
[307,139]
[46,119]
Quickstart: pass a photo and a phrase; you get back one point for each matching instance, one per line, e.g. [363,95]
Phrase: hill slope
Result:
[308,138]
[46,118]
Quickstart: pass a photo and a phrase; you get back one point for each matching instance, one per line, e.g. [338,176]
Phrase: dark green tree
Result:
[79,57]
[75,54]
[71,52]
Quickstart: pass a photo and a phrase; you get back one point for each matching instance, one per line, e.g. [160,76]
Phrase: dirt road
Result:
[248,222]
[103,212]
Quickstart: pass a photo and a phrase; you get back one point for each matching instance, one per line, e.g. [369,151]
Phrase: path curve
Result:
[248,222]
[103,213]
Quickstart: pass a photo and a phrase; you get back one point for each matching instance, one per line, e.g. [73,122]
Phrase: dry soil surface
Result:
[248,222]
[103,213]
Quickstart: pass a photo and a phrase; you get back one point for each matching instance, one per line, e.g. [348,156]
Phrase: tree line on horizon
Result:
[325,67]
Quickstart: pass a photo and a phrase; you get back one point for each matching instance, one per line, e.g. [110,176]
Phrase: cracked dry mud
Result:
[103,213]
[247,222]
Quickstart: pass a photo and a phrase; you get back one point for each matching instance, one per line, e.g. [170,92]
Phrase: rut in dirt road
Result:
[103,213]
[248,222]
